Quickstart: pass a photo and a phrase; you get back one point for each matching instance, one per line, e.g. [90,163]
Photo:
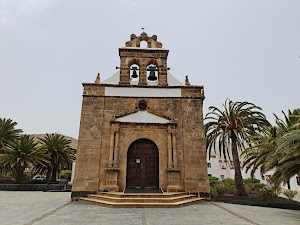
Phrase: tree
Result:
[230,128]
[279,149]
[8,132]
[288,154]
[60,152]
[21,152]
[260,154]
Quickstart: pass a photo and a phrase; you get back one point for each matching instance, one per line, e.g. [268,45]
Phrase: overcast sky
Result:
[242,50]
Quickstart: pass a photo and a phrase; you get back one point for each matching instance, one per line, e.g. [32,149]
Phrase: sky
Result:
[245,50]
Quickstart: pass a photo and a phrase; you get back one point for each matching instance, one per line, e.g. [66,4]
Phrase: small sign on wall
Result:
[138,161]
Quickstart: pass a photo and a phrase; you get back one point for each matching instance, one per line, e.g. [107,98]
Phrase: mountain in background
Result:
[73,140]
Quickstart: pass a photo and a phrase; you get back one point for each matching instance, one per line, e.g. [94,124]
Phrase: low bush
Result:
[268,193]
[290,194]
[219,190]
[65,174]
[230,185]
[249,180]
[213,181]
[258,186]
[228,182]
[250,188]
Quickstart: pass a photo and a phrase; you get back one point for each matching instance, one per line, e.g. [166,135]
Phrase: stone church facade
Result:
[141,128]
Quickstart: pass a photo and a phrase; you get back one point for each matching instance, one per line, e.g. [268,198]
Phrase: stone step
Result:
[140,199]
[144,195]
[141,205]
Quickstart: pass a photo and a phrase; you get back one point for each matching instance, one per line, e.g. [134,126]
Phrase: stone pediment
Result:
[142,117]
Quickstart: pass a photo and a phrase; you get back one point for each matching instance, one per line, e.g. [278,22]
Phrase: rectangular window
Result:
[222,177]
[208,165]
[298,180]
[262,177]
[209,175]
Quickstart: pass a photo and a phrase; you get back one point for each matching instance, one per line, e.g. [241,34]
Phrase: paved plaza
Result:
[43,208]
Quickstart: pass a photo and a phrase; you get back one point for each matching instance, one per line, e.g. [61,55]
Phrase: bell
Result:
[134,74]
[152,76]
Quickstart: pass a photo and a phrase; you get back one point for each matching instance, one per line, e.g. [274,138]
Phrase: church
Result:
[141,129]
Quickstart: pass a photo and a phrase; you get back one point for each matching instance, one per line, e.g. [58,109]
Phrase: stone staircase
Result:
[121,200]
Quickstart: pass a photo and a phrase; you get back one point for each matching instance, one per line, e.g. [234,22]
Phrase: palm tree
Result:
[292,118]
[279,150]
[8,132]
[288,154]
[22,152]
[230,128]
[60,152]
[260,154]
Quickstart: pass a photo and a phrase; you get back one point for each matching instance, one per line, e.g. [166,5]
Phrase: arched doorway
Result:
[142,165]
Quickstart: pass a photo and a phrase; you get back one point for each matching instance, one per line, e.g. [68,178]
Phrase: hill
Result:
[73,140]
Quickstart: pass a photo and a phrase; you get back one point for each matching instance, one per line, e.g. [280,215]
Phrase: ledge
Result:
[87,95]
[35,187]
[143,86]
[147,124]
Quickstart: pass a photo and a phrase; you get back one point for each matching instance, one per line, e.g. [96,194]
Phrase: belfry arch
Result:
[143,57]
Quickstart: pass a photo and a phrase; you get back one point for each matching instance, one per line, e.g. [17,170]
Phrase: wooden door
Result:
[142,164]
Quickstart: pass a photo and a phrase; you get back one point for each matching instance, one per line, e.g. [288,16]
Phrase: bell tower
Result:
[153,58]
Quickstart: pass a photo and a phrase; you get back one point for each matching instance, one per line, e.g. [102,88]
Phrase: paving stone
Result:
[49,208]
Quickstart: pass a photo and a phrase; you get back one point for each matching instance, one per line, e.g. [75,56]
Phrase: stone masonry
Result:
[107,129]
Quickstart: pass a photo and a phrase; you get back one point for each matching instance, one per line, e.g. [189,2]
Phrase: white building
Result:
[222,169]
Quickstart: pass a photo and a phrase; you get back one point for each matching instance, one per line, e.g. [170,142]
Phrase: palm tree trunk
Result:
[54,173]
[19,178]
[49,173]
[240,189]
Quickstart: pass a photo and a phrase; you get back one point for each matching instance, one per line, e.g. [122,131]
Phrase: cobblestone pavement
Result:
[56,208]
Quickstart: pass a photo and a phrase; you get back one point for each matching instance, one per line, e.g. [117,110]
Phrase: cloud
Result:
[14,12]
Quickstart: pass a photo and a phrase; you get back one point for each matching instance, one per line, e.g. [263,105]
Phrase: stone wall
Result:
[35,187]
[98,125]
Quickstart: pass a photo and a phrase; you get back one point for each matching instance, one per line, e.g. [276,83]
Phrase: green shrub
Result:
[220,189]
[290,194]
[230,185]
[250,188]
[213,178]
[253,187]
[213,192]
[266,193]
[65,174]
[213,181]
[258,186]
[249,180]
[229,182]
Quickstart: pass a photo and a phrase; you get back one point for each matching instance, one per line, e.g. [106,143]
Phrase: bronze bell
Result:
[134,74]
[152,76]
